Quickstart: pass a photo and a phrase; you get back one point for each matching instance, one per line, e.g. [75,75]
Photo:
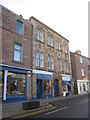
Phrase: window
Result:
[52,67]
[49,61]
[37,34]
[82,71]
[15,84]
[17,52]
[37,58]
[41,59]
[51,41]
[81,60]
[59,45]
[41,36]
[1,83]
[56,44]
[60,65]
[47,86]
[47,39]
[65,66]
[19,26]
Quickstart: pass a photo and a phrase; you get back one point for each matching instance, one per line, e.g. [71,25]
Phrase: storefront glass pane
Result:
[47,86]
[1,83]
[15,84]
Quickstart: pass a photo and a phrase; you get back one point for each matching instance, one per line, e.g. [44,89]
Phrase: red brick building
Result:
[16,45]
[79,65]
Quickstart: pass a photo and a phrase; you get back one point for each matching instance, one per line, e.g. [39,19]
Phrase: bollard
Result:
[47,97]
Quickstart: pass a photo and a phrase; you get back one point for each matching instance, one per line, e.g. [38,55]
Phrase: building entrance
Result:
[39,88]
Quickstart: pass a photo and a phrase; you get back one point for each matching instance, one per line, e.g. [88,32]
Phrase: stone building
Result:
[15,56]
[51,62]
[79,65]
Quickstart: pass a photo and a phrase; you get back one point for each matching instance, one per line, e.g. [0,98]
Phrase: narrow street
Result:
[68,108]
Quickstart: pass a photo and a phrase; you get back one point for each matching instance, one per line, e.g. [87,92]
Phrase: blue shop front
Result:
[66,84]
[13,84]
[43,84]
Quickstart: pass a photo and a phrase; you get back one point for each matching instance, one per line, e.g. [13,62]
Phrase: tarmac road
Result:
[69,108]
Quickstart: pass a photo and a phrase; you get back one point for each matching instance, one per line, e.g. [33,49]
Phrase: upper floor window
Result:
[17,52]
[41,59]
[41,36]
[82,71]
[37,34]
[81,60]
[37,58]
[52,67]
[49,61]
[49,40]
[60,65]
[19,27]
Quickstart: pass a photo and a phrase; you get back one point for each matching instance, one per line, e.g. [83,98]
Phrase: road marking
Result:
[83,102]
[56,110]
[34,113]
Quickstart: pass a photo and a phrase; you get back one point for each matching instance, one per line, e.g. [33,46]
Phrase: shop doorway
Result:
[39,88]
[56,88]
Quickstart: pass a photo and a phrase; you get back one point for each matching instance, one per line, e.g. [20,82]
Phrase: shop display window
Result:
[15,84]
[65,88]
[47,86]
[1,83]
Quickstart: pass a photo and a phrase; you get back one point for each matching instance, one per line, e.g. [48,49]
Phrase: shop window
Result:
[84,88]
[17,52]
[19,27]
[47,86]
[15,84]
[1,83]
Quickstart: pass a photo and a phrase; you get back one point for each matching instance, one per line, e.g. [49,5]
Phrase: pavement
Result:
[15,109]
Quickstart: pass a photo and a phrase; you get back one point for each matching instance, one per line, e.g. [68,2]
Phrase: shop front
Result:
[14,84]
[43,84]
[83,86]
[66,85]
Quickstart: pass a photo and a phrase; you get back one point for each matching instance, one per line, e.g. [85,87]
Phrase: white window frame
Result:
[48,61]
[37,58]
[82,72]
[81,61]
[41,59]
[52,66]
[36,34]
[19,51]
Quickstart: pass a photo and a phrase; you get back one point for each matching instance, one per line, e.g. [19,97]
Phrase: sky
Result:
[67,17]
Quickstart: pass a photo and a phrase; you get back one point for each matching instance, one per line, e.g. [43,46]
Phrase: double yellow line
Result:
[34,113]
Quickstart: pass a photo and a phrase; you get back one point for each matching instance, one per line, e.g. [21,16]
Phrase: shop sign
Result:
[66,78]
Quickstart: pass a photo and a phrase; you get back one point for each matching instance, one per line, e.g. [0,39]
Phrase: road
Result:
[68,108]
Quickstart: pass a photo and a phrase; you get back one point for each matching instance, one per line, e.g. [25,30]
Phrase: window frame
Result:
[37,58]
[19,27]
[18,51]
[82,72]
[41,59]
